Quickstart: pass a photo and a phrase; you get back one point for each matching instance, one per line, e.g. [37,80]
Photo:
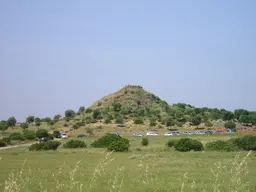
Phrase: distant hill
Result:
[131,96]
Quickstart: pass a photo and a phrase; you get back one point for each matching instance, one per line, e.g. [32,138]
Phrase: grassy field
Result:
[151,168]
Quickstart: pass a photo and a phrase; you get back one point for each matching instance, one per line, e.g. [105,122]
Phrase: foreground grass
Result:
[154,168]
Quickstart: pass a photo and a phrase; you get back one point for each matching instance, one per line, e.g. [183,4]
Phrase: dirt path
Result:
[16,146]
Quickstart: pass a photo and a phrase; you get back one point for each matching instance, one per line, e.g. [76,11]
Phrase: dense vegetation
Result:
[133,104]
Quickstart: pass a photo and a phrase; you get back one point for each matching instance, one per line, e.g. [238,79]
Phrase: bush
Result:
[42,133]
[56,134]
[186,144]
[105,141]
[24,125]
[221,146]
[2,143]
[119,120]
[29,135]
[172,143]
[75,144]
[144,141]
[7,140]
[17,137]
[247,142]
[49,145]
[119,145]
[138,121]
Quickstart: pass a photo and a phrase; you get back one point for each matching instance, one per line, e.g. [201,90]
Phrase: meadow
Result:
[152,168]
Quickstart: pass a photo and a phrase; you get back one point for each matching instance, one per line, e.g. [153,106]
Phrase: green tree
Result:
[24,125]
[11,122]
[96,114]
[117,107]
[57,117]
[69,113]
[230,125]
[245,119]
[30,119]
[42,133]
[240,112]
[81,109]
[37,121]
[196,120]
[3,125]
[170,122]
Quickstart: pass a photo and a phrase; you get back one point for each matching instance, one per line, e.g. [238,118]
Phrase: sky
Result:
[59,55]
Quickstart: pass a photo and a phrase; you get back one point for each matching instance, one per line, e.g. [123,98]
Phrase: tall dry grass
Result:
[228,175]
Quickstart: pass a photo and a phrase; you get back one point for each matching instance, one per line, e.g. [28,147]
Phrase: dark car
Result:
[81,136]
[45,139]
[208,132]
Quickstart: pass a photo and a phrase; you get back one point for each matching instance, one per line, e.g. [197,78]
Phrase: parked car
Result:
[151,134]
[63,136]
[208,132]
[115,133]
[81,136]
[230,131]
[137,134]
[45,139]
[199,133]
[168,134]
[187,133]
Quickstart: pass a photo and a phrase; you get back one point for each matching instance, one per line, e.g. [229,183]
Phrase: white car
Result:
[199,133]
[152,134]
[63,136]
[168,134]
[137,134]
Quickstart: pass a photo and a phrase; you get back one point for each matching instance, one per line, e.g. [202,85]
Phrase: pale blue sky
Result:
[58,55]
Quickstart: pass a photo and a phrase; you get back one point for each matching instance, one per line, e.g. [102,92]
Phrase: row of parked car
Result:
[172,133]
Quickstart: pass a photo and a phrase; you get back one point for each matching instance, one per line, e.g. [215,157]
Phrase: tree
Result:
[240,112]
[196,120]
[96,114]
[11,122]
[42,133]
[37,121]
[117,107]
[81,109]
[230,125]
[57,117]
[24,125]
[170,122]
[30,119]
[69,113]
[245,119]
[3,125]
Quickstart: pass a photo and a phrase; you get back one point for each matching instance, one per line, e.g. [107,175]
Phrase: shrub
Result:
[24,125]
[247,142]
[2,143]
[56,134]
[138,121]
[7,140]
[107,121]
[105,141]
[119,145]
[75,144]
[42,133]
[186,144]
[221,146]
[29,135]
[172,143]
[49,145]
[144,141]
[17,137]
[119,120]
